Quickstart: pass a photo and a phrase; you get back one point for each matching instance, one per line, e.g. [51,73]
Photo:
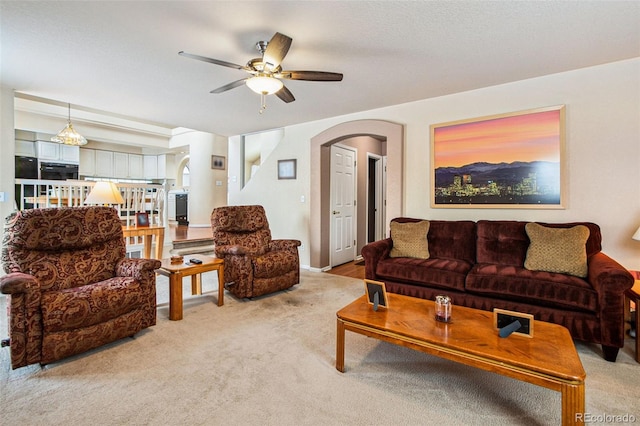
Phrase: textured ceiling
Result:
[121,57]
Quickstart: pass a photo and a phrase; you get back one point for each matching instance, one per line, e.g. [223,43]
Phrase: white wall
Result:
[603,154]
[7,152]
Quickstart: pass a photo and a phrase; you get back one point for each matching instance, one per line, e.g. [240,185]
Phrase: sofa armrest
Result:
[610,280]
[373,253]
[607,276]
[25,317]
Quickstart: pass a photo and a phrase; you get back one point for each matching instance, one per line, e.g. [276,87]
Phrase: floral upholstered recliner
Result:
[254,264]
[69,286]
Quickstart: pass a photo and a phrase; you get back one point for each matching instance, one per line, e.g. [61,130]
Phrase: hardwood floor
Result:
[350,269]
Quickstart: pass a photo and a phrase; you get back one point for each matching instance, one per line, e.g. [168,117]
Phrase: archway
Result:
[319,218]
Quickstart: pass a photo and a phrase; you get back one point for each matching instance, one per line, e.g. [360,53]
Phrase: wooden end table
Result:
[633,294]
[176,272]
[147,233]
[549,359]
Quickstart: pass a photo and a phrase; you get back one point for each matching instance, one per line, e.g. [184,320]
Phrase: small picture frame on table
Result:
[142,219]
[376,294]
[502,318]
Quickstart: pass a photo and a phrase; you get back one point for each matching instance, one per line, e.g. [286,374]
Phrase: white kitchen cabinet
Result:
[25,148]
[69,154]
[120,165]
[150,166]
[48,151]
[136,169]
[104,164]
[55,152]
[87,165]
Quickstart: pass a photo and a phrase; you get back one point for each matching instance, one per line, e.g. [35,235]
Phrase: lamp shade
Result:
[264,85]
[104,193]
[636,236]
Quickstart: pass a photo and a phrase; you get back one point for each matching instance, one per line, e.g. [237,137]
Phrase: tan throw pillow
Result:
[561,250]
[410,239]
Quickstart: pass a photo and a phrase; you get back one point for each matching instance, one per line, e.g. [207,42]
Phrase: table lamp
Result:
[104,193]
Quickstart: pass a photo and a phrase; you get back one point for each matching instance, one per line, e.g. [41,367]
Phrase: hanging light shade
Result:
[68,135]
[264,85]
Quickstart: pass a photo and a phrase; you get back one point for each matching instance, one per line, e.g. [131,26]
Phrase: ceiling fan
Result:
[266,71]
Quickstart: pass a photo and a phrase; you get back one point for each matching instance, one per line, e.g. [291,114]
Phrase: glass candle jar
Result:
[443,308]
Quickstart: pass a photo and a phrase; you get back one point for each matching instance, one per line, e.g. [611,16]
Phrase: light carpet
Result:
[271,361]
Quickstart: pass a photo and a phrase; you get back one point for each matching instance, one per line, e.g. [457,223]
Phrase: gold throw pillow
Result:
[410,239]
[561,250]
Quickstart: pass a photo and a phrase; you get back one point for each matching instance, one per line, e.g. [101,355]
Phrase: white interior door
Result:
[343,228]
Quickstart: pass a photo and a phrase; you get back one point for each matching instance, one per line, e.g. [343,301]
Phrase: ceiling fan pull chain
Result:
[263,103]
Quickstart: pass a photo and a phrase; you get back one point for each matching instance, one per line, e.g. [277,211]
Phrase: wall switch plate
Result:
[3,196]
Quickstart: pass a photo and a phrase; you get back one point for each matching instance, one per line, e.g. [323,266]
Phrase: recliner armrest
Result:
[221,251]
[277,245]
[136,268]
[18,282]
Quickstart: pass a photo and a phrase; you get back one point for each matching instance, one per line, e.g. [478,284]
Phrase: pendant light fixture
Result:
[68,135]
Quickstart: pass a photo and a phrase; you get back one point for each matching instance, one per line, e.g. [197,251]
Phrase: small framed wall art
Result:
[287,169]
[218,162]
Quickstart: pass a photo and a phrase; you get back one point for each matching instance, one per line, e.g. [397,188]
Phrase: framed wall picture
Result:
[218,162]
[287,169]
[513,160]
[142,219]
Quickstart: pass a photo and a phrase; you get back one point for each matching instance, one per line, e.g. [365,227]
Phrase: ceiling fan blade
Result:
[212,61]
[276,51]
[285,94]
[311,75]
[229,86]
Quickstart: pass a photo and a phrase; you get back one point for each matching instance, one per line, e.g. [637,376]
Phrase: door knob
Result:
[335,212]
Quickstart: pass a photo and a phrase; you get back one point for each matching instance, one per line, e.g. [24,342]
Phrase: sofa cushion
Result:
[410,239]
[537,287]
[441,273]
[449,239]
[557,250]
[506,242]
[81,307]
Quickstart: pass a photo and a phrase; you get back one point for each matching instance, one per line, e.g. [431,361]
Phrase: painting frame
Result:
[287,169]
[514,160]
[142,220]
[218,162]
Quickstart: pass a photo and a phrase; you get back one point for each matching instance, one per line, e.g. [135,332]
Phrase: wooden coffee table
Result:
[176,272]
[549,359]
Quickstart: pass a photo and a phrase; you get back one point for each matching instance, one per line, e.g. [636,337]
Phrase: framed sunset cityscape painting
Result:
[513,160]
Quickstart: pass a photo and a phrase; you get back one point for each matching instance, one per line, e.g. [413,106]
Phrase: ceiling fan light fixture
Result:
[68,135]
[264,85]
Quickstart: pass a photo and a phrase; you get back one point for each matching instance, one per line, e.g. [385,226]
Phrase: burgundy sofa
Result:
[481,265]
